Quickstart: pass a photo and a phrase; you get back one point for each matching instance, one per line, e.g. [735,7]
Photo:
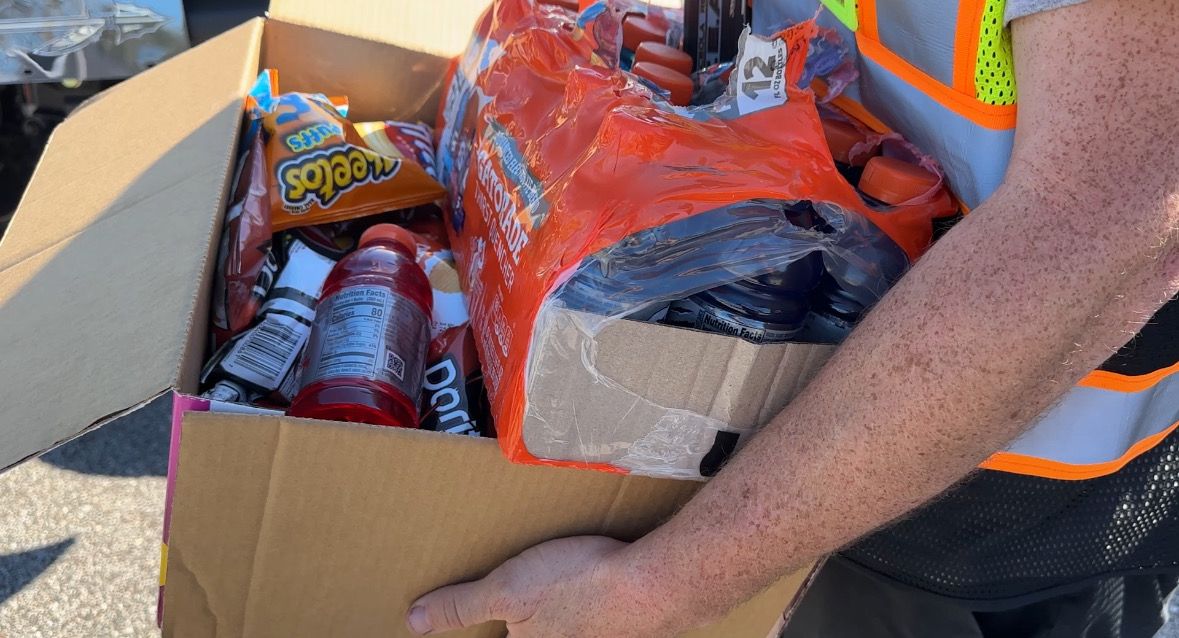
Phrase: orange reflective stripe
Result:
[1045,468]
[992,116]
[851,107]
[966,44]
[857,110]
[1104,380]
[867,17]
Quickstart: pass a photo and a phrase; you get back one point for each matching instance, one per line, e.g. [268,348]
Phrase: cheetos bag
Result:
[321,169]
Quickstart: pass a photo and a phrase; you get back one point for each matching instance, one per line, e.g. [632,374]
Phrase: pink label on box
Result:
[182,403]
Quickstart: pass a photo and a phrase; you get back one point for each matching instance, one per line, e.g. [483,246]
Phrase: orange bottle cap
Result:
[892,181]
[841,137]
[660,53]
[389,232]
[678,84]
[636,30]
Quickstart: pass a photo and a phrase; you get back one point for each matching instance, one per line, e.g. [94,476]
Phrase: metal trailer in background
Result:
[55,54]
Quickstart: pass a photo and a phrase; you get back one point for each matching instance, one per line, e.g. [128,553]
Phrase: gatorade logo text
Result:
[497,198]
[447,395]
[321,177]
[498,204]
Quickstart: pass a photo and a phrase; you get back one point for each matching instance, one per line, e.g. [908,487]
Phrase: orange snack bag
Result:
[321,169]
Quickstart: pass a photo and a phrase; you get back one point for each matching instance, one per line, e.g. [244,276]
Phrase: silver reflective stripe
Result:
[1092,425]
[974,158]
[920,34]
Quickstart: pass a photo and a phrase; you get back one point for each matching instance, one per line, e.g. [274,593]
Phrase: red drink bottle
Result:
[367,351]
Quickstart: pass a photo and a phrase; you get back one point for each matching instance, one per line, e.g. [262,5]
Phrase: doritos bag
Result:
[321,169]
[570,181]
[452,385]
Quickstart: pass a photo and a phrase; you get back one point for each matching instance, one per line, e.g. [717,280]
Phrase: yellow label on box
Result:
[163,563]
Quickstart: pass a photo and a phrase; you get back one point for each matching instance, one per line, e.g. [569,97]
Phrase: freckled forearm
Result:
[1033,290]
[984,334]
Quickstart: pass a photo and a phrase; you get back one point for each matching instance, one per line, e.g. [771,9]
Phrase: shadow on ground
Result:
[135,445]
[22,568]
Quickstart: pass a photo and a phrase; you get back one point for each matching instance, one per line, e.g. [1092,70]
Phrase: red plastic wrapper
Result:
[428,225]
[245,265]
[558,164]
[333,240]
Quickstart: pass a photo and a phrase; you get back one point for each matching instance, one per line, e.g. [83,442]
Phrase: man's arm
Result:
[1029,293]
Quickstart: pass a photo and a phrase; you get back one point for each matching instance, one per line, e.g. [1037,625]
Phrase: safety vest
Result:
[1092,489]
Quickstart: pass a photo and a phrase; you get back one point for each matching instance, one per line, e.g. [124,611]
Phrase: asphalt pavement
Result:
[80,534]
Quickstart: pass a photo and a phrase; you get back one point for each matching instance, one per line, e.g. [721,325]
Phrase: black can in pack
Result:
[770,308]
[712,29]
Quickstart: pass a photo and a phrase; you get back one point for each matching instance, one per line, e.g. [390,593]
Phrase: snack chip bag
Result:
[401,139]
[334,240]
[245,263]
[452,385]
[320,168]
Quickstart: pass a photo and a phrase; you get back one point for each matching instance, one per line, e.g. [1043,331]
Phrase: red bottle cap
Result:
[892,181]
[389,232]
[660,53]
[841,137]
[636,30]
[678,84]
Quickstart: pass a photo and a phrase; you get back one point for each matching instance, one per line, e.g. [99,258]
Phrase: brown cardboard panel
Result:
[101,267]
[652,398]
[381,80]
[723,377]
[283,527]
[438,27]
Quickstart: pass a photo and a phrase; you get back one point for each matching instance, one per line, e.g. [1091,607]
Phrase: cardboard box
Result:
[652,399]
[279,526]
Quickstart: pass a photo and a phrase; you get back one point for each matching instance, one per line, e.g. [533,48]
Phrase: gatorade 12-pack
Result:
[574,186]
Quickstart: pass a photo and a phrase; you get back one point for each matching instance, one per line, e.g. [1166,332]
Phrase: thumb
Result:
[450,608]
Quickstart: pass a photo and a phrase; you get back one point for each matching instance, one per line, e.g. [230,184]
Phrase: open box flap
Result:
[438,27]
[287,527]
[101,270]
[396,53]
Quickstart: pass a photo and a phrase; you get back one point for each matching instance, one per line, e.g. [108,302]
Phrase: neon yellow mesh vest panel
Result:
[938,72]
